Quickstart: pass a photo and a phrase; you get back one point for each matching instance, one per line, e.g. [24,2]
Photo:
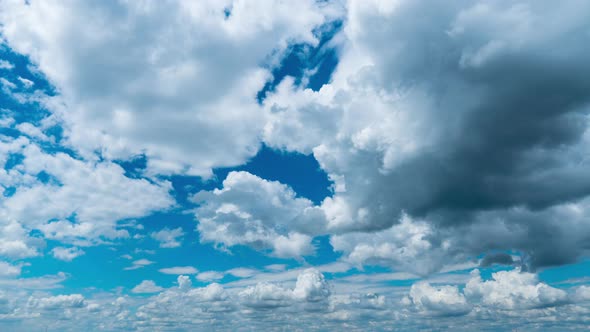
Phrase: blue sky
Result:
[323,165]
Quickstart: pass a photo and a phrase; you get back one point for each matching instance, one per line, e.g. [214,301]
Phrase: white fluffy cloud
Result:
[184,283]
[9,270]
[78,202]
[165,80]
[16,243]
[192,307]
[443,300]
[5,64]
[140,263]
[505,291]
[70,200]
[147,286]
[66,254]
[582,293]
[308,296]
[58,302]
[310,287]
[406,246]
[513,290]
[262,214]
[168,238]
[266,296]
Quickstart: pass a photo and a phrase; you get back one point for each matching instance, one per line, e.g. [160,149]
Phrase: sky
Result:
[233,165]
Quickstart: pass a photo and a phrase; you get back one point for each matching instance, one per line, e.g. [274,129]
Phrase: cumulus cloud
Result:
[32,131]
[70,200]
[582,293]
[262,214]
[16,243]
[407,246]
[179,73]
[310,287]
[506,295]
[419,128]
[266,296]
[9,270]
[504,291]
[443,300]
[6,64]
[146,286]
[184,282]
[140,263]
[192,307]
[66,254]
[310,298]
[459,119]
[513,290]
[58,302]
[168,238]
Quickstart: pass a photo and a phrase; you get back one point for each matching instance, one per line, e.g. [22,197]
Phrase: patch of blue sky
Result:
[27,81]
[22,70]
[13,160]
[301,172]
[567,275]
[310,66]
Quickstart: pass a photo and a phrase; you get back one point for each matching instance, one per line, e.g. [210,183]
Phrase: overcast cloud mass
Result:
[294,165]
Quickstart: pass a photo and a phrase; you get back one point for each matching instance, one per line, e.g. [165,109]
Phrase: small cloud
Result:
[8,270]
[32,131]
[179,270]
[146,286]
[242,272]
[26,83]
[66,254]
[276,267]
[6,121]
[168,238]
[144,251]
[7,85]
[127,256]
[184,282]
[6,65]
[140,263]
[209,276]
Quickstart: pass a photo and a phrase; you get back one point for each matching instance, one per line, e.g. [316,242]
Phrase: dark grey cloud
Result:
[496,258]
[471,116]
[508,129]
[508,90]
